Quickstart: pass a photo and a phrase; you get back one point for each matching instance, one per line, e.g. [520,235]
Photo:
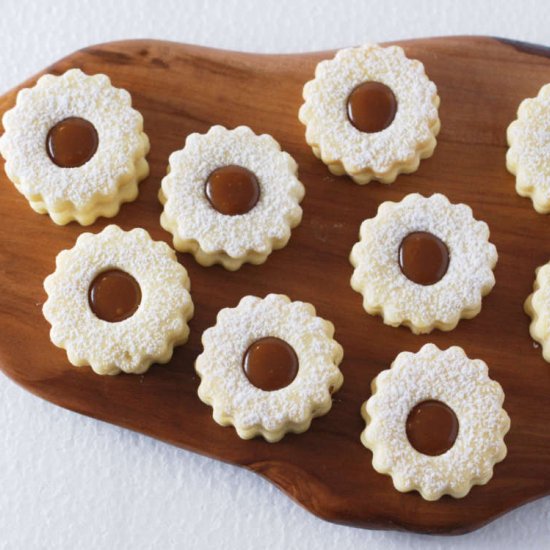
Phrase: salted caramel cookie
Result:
[527,157]
[230,197]
[74,147]
[537,306]
[435,422]
[371,113]
[118,301]
[269,366]
[424,263]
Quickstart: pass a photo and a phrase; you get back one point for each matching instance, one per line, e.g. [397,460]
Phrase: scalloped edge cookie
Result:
[461,383]
[235,400]
[383,155]
[131,345]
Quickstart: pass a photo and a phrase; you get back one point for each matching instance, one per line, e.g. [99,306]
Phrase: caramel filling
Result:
[371,107]
[72,142]
[114,296]
[270,363]
[423,258]
[432,427]
[232,190]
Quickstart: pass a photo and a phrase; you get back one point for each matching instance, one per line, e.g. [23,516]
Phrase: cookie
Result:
[74,147]
[230,197]
[527,157]
[424,263]
[269,366]
[537,307]
[118,301]
[371,113]
[435,422]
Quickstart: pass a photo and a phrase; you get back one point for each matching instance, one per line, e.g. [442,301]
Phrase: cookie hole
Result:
[72,142]
[114,295]
[423,258]
[270,363]
[232,190]
[432,427]
[371,107]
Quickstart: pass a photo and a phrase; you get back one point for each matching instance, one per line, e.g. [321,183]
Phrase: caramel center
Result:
[114,295]
[371,107]
[270,363]
[432,427]
[72,142]
[423,258]
[232,190]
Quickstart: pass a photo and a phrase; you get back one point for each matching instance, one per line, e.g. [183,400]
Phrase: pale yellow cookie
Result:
[435,422]
[424,263]
[118,301]
[371,113]
[231,197]
[74,147]
[537,306]
[269,366]
[529,152]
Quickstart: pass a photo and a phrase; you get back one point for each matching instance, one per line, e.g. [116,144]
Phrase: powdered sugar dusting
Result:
[251,410]
[131,345]
[122,143]
[190,216]
[462,384]
[324,112]
[529,154]
[388,292]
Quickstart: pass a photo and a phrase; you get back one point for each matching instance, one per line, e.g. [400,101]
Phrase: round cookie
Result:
[269,366]
[74,147]
[435,422]
[424,263]
[529,141]
[230,197]
[537,307]
[118,301]
[371,113]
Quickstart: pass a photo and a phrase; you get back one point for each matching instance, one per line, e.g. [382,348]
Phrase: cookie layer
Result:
[537,307]
[131,345]
[98,186]
[462,384]
[216,237]
[333,133]
[226,387]
[527,157]
[389,292]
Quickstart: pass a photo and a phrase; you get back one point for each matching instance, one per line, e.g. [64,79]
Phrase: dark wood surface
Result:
[183,89]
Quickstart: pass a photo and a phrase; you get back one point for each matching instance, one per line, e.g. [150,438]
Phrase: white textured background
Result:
[68,482]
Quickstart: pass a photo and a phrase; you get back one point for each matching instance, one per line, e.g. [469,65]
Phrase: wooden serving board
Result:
[182,89]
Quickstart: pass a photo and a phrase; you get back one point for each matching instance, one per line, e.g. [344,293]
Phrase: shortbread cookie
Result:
[75,147]
[424,263]
[537,306]
[435,422]
[269,366]
[371,113]
[527,157]
[230,197]
[118,301]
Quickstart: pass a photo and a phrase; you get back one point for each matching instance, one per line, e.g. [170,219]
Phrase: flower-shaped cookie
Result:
[529,152]
[424,263]
[537,306]
[435,422]
[75,147]
[118,301]
[371,113]
[230,197]
[269,366]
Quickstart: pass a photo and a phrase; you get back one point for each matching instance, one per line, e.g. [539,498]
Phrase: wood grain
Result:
[183,89]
